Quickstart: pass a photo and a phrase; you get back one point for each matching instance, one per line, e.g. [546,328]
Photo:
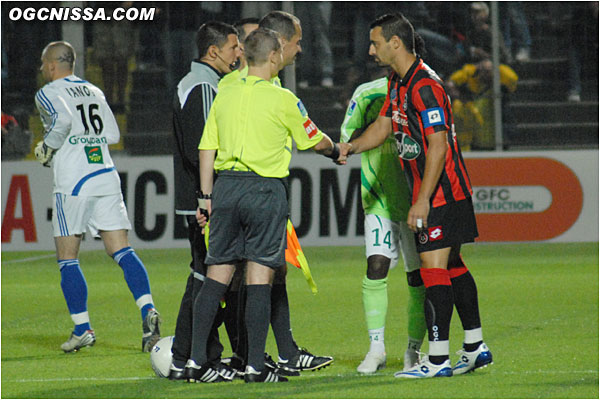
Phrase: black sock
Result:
[258,311]
[183,329]
[437,360]
[230,317]
[465,299]
[242,344]
[438,312]
[205,310]
[280,322]
[471,346]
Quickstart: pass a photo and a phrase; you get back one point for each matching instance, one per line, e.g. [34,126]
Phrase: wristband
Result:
[335,153]
[203,196]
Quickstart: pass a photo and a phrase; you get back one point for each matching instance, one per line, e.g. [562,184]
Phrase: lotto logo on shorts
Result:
[435,233]
[310,128]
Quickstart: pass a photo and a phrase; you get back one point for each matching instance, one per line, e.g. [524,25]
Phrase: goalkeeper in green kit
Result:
[386,201]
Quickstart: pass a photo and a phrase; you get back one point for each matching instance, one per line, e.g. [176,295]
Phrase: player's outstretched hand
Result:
[44,154]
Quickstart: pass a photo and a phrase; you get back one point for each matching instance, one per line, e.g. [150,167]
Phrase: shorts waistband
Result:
[239,174]
[244,174]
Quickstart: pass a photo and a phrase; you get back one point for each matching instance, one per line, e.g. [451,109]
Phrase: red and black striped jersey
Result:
[419,106]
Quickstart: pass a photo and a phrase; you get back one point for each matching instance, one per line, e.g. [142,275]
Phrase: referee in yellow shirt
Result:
[246,141]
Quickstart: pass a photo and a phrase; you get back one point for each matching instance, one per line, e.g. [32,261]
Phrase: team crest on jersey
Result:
[433,116]
[310,128]
[302,108]
[94,154]
[423,238]
[351,107]
[408,148]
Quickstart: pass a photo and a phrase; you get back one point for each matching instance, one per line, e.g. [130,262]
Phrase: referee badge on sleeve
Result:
[310,128]
[302,108]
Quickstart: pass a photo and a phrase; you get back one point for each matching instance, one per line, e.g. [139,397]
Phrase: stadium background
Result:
[539,184]
[538,125]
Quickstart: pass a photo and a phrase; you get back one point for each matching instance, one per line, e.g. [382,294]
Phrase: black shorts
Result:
[448,226]
[248,220]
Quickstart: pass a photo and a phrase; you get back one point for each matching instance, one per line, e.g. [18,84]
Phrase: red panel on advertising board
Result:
[563,184]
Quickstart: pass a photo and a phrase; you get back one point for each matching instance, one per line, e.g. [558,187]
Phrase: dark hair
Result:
[281,22]
[259,44]
[398,25]
[240,26]
[213,33]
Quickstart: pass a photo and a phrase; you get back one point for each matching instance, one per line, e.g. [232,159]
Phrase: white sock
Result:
[377,340]
[473,336]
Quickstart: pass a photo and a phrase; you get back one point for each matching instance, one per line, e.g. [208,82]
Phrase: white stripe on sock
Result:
[118,257]
[439,348]
[199,276]
[81,318]
[473,335]
[143,300]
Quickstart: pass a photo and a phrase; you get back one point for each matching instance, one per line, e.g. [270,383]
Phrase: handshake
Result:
[340,152]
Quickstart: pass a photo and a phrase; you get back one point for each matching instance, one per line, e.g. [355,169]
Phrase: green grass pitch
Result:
[539,308]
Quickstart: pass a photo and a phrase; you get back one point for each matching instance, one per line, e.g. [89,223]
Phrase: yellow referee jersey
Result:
[250,124]
[236,75]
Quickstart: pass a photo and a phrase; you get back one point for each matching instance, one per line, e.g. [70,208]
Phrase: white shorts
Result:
[384,237]
[73,215]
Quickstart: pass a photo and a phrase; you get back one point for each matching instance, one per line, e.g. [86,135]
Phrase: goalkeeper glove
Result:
[44,154]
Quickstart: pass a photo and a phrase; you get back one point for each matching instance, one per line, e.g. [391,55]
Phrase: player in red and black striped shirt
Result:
[418,112]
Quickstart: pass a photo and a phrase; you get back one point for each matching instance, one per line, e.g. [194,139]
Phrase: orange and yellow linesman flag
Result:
[295,256]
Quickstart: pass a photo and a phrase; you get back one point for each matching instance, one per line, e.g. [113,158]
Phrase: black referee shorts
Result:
[248,220]
[448,226]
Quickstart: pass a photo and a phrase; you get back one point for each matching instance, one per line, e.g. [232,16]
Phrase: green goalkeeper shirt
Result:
[384,189]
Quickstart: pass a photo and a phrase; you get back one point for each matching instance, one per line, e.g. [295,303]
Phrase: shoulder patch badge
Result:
[433,116]
[302,108]
[351,107]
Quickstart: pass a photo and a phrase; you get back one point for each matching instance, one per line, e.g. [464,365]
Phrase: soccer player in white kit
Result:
[78,127]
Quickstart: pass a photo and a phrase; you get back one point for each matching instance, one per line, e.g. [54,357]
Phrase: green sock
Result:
[375,302]
[416,312]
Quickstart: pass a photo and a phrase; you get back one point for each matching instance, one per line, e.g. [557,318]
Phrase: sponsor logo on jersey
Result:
[87,140]
[405,104]
[302,108]
[433,116]
[435,233]
[94,154]
[351,107]
[408,148]
[399,118]
[310,128]
[394,96]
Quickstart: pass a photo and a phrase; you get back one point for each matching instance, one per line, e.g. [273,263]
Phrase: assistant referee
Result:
[246,141]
